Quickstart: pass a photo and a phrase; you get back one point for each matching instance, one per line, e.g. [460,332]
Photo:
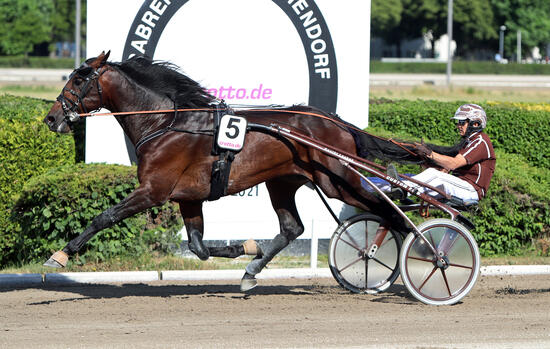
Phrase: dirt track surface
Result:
[503,312]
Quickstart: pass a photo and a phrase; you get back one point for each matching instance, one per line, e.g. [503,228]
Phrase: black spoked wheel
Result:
[353,261]
[444,278]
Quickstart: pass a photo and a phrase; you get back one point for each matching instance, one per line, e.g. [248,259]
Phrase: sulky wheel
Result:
[356,263]
[446,278]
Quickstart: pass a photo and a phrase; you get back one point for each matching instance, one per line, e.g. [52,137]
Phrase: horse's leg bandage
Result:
[60,258]
[251,248]
[277,244]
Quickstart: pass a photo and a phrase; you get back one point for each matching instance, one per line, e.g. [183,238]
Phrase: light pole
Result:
[450,37]
[501,42]
[518,48]
[77,35]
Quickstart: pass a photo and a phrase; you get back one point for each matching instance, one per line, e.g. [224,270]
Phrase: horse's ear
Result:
[105,57]
[101,59]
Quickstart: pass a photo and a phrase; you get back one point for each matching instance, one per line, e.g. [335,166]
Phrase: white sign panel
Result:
[232,132]
[256,52]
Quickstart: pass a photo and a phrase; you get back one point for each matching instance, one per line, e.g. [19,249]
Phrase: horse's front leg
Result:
[137,201]
[194,224]
[191,211]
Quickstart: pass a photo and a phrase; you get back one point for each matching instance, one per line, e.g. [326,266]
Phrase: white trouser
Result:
[448,183]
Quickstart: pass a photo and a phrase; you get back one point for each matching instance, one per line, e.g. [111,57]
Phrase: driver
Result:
[463,171]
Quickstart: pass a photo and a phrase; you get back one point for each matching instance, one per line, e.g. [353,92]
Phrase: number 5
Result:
[230,125]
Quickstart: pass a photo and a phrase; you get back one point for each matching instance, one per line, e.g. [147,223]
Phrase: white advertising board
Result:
[256,52]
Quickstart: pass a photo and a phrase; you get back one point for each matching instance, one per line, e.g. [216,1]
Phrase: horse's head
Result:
[81,94]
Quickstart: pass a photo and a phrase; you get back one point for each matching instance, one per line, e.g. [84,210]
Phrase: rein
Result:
[170,127]
[164,111]
[399,144]
[161,111]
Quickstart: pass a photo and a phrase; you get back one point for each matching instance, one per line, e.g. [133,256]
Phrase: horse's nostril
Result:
[50,119]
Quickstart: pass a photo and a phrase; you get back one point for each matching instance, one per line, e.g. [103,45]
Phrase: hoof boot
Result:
[197,247]
[248,282]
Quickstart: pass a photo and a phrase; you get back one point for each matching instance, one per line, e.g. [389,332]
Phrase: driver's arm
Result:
[448,162]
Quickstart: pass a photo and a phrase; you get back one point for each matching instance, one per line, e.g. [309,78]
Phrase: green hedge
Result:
[27,148]
[54,207]
[512,129]
[460,67]
[57,206]
[516,209]
[36,62]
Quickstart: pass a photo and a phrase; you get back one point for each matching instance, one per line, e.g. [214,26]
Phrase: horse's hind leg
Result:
[281,192]
[249,247]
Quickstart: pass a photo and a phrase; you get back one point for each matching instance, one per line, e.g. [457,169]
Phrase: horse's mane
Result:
[164,78]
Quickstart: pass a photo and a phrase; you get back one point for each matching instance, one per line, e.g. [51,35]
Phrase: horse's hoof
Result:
[252,248]
[57,260]
[197,247]
[52,263]
[248,282]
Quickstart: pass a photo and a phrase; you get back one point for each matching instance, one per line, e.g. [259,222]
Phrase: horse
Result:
[175,158]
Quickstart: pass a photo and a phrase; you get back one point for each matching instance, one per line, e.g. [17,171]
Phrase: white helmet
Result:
[471,112]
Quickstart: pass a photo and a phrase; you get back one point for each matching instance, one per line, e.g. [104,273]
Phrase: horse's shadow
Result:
[106,291]
[396,294]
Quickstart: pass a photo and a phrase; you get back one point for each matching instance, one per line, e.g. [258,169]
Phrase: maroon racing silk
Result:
[481,160]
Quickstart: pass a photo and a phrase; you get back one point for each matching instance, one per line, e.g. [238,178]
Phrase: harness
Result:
[69,106]
[221,168]
[170,128]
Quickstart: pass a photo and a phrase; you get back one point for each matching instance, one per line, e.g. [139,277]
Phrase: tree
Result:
[529,16]
[25,23]
[423,17]
[64,18]
[419,17]
[398,20]
[385,20]
[385,16]
[474,25]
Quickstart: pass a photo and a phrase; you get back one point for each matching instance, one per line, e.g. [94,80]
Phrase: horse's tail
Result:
[370,146]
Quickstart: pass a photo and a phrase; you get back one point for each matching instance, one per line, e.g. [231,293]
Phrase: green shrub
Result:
[36,62]
[516,210]
[54,207]
[512,129]
[27,148]
[460,67]
[57,206]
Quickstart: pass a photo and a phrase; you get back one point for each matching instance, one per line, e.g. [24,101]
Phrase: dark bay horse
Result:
[177,166]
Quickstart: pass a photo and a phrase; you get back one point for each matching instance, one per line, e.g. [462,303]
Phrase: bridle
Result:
[70,107]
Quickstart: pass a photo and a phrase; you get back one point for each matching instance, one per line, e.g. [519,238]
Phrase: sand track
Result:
[506,312]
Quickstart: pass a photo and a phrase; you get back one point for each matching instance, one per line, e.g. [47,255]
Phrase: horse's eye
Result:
[77,81]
